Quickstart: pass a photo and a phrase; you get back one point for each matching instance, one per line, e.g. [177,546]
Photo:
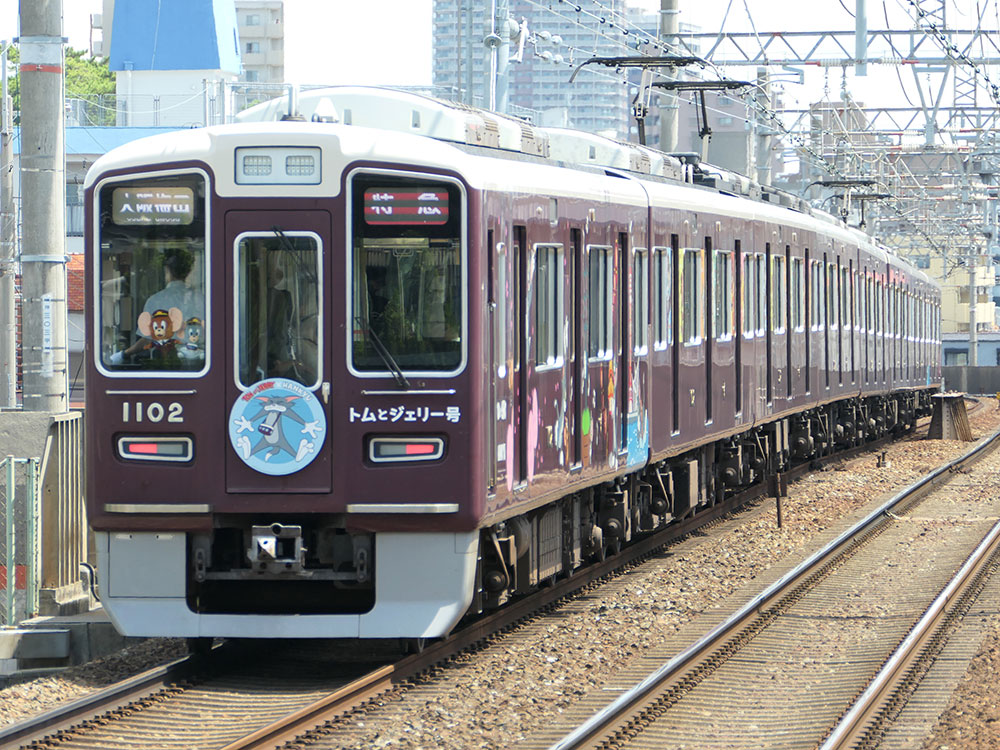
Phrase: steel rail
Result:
[90,706]
[616,713]
[391,676]
[855,722]
[358,692]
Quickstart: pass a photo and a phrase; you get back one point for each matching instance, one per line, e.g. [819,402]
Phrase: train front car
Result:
[278,392]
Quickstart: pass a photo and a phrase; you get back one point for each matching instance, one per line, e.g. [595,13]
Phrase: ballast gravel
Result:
[513,686]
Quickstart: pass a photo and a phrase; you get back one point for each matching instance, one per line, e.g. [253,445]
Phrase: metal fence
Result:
[20,558]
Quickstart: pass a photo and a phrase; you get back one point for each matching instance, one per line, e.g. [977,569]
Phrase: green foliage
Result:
[86,78]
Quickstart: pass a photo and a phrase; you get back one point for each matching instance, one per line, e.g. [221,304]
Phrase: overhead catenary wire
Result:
[601,22]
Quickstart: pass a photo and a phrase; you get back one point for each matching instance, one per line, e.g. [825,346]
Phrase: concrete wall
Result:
[975,380]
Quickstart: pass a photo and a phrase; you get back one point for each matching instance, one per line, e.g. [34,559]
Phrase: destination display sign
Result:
[139,206]
[406,207]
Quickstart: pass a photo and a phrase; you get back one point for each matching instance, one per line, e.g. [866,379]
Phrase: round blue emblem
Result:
[277,426]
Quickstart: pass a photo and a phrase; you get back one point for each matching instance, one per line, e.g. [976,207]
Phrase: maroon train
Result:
[354,375]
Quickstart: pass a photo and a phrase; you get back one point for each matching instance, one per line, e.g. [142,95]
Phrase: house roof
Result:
[86,141]
[175,35]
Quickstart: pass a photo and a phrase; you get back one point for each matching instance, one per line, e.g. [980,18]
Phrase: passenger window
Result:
[761,322]
[599,309]
[503,300]
[640,301]
[662,324]
[845,285]
[548,305]
[692,278]
[747,288]
[797,293]
[816,297]
[778,294]
[831,295]
[723,294]
[152,275]
[277,307]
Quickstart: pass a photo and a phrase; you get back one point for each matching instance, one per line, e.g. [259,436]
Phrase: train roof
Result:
[417,114]
[449,122]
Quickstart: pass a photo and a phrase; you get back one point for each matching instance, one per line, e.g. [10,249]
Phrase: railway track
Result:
[829,654]
[266,703]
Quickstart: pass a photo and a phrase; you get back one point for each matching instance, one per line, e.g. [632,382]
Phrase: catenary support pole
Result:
[43,208]
[669,108]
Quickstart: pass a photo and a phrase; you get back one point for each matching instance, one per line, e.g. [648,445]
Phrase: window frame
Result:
[555,302]
[663,284]
[779,294]
[237,330]
[502,308]
[797,294]
[760,308]
[692,309]
[640,301]
[96,276]
[605,349]
[723,317]
[463,234]
[748,298]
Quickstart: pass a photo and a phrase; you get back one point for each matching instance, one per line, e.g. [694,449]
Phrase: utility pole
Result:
[973,332]
[861,38]
[668,112]
[763,128]
[8,248]
[43,208]
[497,43]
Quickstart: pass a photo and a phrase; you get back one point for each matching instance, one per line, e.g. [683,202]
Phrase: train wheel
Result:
[413,645]
[199,648]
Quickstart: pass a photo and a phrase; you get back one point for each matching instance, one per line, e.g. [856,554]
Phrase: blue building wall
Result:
[175,35]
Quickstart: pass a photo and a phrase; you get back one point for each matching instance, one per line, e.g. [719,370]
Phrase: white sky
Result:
[388,41]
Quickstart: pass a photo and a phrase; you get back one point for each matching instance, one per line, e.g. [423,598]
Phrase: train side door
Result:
[777,326]
[624,385]
[691,374]
[277,362]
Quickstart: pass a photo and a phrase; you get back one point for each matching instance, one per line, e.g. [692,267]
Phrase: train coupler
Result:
[276,549]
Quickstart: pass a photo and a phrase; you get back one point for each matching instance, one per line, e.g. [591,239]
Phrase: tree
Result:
[86,78]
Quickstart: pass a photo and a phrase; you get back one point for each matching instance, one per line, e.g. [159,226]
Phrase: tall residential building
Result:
[598,101]
[261,25]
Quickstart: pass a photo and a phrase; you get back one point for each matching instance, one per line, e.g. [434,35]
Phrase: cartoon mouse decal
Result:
[163,328]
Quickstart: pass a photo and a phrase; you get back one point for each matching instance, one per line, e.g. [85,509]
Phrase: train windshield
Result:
[406,285]
[151,275]
[277,296]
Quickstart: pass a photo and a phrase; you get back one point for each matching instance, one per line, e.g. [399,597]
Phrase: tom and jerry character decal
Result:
[277,427]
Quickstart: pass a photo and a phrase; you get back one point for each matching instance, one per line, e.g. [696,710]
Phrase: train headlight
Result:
[273,165]
[256,165]
[300,165]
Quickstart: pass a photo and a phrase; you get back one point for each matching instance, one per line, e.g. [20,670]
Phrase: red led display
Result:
[406,207]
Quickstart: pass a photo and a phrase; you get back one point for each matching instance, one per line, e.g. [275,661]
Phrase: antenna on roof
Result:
[293,105]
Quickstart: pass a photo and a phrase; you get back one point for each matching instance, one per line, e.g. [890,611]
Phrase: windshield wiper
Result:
[293,253]
[379,347]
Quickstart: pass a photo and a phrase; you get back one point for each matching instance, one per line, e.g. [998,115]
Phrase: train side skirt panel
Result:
[424,584]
